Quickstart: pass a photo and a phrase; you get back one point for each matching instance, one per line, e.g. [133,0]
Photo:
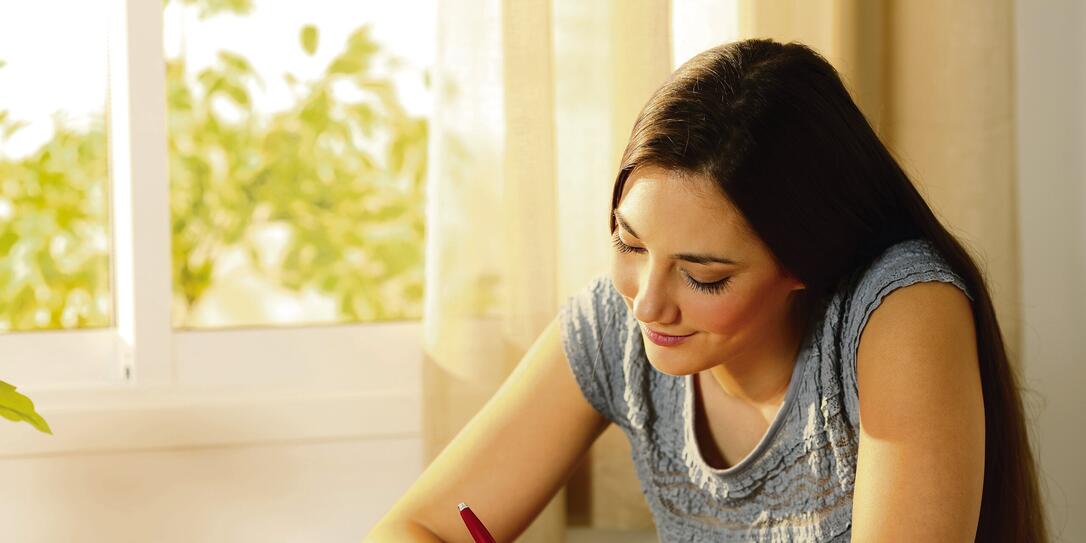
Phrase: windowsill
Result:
[112,419]
[229,387]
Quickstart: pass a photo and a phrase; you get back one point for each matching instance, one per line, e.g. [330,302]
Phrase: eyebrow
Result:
[695,258]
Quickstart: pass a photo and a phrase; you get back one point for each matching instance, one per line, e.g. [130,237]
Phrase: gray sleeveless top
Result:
[796,485]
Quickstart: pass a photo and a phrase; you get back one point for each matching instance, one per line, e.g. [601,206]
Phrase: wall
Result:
[306,491]
[1051,128]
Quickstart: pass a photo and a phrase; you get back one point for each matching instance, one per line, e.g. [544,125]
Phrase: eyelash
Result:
[709,288]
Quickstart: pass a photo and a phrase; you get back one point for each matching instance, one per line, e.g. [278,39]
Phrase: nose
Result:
[653,302]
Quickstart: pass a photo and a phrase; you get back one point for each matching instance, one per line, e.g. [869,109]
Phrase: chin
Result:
[671,363]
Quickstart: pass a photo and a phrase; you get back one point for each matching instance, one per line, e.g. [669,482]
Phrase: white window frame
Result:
[142,384]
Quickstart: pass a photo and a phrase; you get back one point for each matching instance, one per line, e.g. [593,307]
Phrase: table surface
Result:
[596,535]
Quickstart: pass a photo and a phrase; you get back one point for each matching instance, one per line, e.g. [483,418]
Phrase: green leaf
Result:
[237,93]
[16,407]
[309,39]
[236,62]
[12,128]
[346,65]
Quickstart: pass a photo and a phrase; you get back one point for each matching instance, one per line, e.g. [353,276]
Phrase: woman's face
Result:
[667,220]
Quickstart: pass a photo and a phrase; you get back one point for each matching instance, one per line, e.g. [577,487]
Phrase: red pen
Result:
[475,526]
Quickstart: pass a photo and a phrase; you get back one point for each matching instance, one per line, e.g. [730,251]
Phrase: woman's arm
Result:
[509,460]
[920,471]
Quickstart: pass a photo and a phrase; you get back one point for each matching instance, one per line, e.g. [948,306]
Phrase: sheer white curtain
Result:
[534,103]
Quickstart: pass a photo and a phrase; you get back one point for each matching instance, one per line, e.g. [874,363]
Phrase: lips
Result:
[664,340]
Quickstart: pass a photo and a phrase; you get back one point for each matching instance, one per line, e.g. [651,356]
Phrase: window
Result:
[269,179]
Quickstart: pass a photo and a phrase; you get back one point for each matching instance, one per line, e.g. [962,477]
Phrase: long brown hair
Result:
[774,127]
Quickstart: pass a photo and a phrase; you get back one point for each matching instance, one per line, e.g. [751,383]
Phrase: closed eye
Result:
[622,247]
[709,288]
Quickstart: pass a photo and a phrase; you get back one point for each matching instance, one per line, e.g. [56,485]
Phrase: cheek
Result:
[724,314]
[737,312]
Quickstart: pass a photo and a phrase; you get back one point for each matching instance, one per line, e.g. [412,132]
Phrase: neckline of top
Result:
[694,451]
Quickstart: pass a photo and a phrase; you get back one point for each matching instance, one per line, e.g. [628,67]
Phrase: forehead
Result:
[678,201]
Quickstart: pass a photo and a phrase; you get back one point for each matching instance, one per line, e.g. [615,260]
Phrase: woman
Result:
[776,274]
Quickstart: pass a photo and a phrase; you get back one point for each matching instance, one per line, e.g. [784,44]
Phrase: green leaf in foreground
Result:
[16,407]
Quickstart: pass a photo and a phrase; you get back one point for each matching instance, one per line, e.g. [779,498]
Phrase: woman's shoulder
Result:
[603,288]
[907,261]
[898,266]
[596,336]
[595,308]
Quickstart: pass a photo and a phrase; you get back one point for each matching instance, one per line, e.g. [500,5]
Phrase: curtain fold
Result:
[491,242]
[534,103]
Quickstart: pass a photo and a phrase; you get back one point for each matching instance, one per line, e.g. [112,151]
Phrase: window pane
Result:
[297,160]
[54,201]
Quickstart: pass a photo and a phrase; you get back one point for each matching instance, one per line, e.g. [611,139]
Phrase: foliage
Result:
[16,407]
[356,216]
[345,175]
[54,265]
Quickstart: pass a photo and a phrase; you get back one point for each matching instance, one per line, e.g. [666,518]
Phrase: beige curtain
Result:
[534,104]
